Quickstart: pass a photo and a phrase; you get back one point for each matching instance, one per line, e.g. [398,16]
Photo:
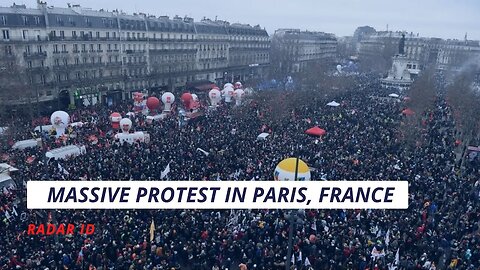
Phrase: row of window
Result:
[25,20]
[213,55]
[99,47]
[173,68]
[113,35]
[250,45]
[213,65]
[173,58]
[249,38]
[83,34]
[219,47]
[250,59]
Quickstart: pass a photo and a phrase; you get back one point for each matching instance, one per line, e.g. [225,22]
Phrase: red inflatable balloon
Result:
[186,97]
[187,100]
[153,103]
[115,118]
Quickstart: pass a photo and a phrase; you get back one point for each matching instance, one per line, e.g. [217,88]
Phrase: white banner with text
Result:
[217,194]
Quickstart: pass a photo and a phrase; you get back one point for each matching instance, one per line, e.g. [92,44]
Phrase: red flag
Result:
[30,159]
[93,139]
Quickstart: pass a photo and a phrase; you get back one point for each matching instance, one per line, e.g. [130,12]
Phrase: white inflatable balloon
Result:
[215,97]
[339,68]
[168,99]
[228,94]
[125,125]
[238,96]
[60,121]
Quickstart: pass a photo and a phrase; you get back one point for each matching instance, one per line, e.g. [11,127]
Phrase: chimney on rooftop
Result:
[41,5]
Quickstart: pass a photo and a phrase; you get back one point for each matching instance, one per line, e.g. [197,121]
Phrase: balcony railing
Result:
[135,51]
[169,51]
[38,69]
[35,55]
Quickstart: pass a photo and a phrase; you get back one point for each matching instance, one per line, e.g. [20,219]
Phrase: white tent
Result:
[6,181]
[5,178]
[262,136]
[393,95]
[333,104]
[4,167]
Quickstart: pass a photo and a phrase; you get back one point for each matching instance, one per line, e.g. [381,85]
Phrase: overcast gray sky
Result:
[431,18]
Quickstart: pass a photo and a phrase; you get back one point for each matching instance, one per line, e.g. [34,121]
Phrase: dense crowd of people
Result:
[364,141]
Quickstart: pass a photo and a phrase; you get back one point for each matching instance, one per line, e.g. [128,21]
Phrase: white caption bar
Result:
[217,194]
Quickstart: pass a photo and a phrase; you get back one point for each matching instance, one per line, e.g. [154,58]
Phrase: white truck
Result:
[131,138]
[27,144]
[45,128]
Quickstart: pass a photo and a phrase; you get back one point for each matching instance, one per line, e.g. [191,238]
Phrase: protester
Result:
[439,230]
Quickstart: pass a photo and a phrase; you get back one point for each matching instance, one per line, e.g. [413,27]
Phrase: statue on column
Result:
[401,45]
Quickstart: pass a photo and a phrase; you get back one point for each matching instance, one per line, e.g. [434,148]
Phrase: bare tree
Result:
[465,103]
[378,57]
[422,95]
[283,54]
[14,87]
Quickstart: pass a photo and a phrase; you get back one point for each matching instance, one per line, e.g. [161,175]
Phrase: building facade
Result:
[443,54]
[79,55]
[295,49]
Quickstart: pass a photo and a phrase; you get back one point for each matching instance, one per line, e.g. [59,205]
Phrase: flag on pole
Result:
[62,170]
[377,253]
[14,211]
[314,226]
[307,262]
[387,238]
[396,262]
[165,172]
[203,151]
[7,215]
[152,231]
[80,256]
[397,258]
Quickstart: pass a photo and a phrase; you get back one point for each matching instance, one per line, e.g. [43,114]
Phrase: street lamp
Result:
[292,224]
